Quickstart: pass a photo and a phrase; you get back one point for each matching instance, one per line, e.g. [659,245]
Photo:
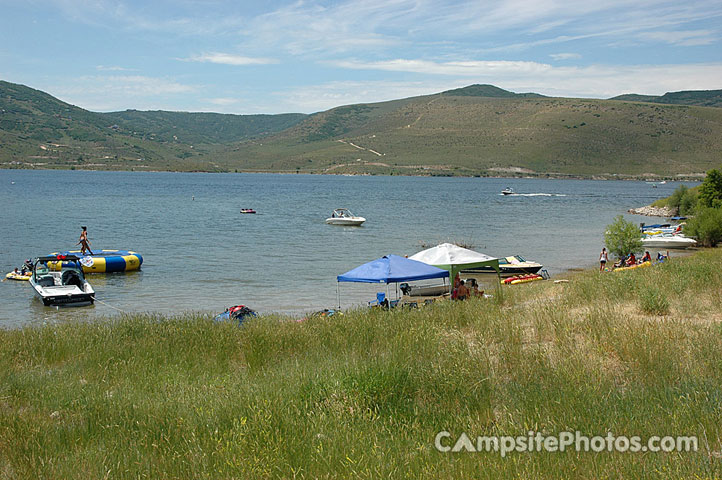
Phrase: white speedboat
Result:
[343,216]
[668,241]
[66,287]
[507,191]
[509,266]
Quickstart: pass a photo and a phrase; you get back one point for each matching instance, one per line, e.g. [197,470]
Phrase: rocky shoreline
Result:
[651,211]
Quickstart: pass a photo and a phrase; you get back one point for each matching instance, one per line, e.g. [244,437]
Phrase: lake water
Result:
[200,253]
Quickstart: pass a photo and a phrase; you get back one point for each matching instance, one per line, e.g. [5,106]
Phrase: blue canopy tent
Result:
[390,269]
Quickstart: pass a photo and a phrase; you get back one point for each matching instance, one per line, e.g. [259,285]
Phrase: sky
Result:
[278,56]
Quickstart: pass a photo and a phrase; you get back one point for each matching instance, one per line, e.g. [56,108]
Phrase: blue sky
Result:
[278,56]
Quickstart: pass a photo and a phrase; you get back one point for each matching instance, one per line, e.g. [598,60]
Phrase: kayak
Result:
[522,279]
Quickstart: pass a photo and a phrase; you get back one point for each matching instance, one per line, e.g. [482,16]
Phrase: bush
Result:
[653,302]
[684,199]
[710,192]
[623,237]
[706,226]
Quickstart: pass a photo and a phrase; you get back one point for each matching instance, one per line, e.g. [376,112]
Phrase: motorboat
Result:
[343,216]
[424,290]
[247,210]
[507,191]
[508,266]
[668,241]
[65,287]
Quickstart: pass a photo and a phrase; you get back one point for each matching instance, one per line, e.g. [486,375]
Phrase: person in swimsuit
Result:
[603,257]
[84,242]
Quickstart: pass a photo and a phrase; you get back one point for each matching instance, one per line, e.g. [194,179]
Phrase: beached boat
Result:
[65,287]
[343,216]
[668,241]
[508,266]
[507,191]
[424,290]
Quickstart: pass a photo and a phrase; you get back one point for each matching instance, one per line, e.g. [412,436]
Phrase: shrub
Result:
[706,226]
[653,302]
[623,237]
[710,192]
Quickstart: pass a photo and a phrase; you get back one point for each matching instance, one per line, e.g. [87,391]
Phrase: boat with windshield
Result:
[343,216]
[65,287]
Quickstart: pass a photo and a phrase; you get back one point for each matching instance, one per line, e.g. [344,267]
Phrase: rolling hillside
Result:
[40,131]
[476,130]
[700,98]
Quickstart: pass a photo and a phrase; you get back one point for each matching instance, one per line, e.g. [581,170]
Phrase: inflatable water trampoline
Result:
[102,261]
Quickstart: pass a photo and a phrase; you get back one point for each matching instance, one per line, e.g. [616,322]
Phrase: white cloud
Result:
[467,68]
[112,68]
[685,38]
[230,59]
[119,92]
[224,101]
[565,56]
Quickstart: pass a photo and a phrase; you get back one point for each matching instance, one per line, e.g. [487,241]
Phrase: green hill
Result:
[38,130]
[475,130]
[448,134]
[701,98]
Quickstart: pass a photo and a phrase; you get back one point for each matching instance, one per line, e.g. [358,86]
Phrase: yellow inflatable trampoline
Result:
[102,261]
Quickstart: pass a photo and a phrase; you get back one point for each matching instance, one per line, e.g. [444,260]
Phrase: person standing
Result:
[603,257]
[84,242]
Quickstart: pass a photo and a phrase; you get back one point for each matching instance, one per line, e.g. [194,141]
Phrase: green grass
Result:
[363,395]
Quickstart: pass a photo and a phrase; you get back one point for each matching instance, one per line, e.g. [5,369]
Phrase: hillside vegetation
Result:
[476,130]
[701,98]
[40,131]
[636,353]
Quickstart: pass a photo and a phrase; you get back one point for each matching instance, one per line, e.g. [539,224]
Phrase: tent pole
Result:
[338,294]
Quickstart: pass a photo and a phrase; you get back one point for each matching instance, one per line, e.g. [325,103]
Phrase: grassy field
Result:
[364,395]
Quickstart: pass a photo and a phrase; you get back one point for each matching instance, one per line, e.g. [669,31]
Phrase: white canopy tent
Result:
[455,258]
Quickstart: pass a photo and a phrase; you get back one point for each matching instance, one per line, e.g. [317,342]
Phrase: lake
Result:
[200,253]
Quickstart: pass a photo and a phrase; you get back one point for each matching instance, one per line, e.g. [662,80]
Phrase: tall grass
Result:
[363,395]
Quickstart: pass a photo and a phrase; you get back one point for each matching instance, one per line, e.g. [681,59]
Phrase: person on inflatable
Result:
[84,242]
[647,257]
[632,260]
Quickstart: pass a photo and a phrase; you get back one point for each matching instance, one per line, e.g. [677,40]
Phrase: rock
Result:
[651,211]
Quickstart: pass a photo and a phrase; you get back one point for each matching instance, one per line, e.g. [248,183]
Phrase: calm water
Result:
[201,254]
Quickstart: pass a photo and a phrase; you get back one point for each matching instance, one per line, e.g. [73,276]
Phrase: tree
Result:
[706,226]
[684,200]
[710,192]
[623,237]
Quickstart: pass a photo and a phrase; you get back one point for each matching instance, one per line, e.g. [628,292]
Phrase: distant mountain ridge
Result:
[700,98]
[488,91]
[474,130]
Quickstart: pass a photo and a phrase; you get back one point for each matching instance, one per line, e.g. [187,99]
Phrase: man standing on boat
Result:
[84,242]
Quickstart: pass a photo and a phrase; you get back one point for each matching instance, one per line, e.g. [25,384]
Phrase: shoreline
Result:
[692,177]
[184,397]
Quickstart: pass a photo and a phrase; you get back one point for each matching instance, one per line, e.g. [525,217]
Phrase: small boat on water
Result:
[507,191]
[343,216]
[668,241]
[18,276]
[509,266]
[65,287]
[247,210]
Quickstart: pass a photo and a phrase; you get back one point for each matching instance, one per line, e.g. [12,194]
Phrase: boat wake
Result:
[534,195]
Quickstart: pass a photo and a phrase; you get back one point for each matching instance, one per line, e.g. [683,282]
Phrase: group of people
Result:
[463,290]
[27,267]
[629,260]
